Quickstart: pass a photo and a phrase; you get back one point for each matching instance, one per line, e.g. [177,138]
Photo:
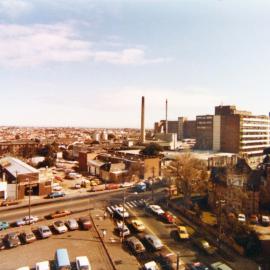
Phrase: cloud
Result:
[127,56]
[39,44]
[14,8]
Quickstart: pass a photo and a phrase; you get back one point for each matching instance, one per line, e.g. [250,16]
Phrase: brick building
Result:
[20,177]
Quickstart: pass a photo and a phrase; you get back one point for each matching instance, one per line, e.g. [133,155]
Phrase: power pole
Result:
[178,261]
[29,198]
[123,213]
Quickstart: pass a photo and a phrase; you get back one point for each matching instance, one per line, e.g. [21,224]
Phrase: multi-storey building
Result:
[240,132]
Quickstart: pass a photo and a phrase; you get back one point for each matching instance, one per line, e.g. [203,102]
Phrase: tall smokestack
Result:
[142,122]
[166,121]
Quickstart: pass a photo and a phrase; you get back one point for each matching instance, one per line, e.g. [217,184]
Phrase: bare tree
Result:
[190,175]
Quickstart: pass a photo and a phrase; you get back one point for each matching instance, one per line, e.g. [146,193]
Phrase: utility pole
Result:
[152,182]
[123,213]
[178,261]
[29,198]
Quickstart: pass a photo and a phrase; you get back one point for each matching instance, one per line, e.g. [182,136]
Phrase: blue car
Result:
[4,225]
[56,194]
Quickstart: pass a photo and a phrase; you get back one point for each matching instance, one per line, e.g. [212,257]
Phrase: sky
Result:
[88,62]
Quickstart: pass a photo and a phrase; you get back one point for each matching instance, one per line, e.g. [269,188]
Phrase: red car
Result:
[168,217]
[85,223]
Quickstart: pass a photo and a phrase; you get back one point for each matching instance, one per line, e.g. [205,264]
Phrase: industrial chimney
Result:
[166,115]
[142,122]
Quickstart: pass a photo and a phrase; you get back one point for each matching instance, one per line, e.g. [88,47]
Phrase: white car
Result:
[121,212]
[151,266]
[127,184]
[122,229]
[72,224]
[44,231]
[156,209]
[27,220]
[265,221]
[82,263]
[220,266]
[45,265]
[77,185]
[56,187]
[153,241]
[241,218]
[60,227]
[24,268]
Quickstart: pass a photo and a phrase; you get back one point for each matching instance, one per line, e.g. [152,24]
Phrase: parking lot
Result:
[78,243]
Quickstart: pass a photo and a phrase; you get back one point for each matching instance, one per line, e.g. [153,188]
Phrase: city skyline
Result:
[88,63]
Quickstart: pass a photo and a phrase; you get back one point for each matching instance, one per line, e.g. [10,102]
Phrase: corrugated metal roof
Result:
[16,167]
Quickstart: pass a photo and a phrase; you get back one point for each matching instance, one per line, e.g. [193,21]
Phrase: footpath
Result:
[120,259]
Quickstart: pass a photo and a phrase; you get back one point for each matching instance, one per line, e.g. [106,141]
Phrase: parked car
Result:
[27,220]
[56,194]
[2,244]
[23,268]
[140,187]
[56,187]
[98,188]
[135,245]
[121,212]
[72,224]
[12,240]
[156,209]
[168,217]
[220,266]
[112,186]
[241,218]
[265,220]
[126,184]
[9,202]
[182,232]
[153,241]
[60,226]
[196,266]
[137,225]
[205,246]
[122,229]
[253,219]
[27,237]
[82,263]
[45,265]
[77,185]
[85,223]
[169,261]
[44,232]
[4,225]
[152,265]
[60,213]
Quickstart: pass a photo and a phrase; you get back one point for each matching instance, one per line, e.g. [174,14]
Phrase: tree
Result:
[111,136]
[152,149]
[190,175]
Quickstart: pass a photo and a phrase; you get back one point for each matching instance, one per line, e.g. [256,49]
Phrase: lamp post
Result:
[220,203]
[178,261]
[29,198]
[123,213]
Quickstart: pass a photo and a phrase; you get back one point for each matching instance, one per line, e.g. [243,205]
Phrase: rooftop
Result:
[16,167]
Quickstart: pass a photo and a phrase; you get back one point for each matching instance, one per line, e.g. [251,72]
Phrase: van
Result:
[61,259]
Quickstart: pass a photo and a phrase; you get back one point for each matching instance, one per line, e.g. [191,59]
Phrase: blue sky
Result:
[87,63]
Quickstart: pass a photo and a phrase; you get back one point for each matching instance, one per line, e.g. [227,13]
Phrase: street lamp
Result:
[220,204]
[178,260]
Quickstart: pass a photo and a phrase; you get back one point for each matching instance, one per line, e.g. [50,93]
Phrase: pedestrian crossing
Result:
[128,205]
